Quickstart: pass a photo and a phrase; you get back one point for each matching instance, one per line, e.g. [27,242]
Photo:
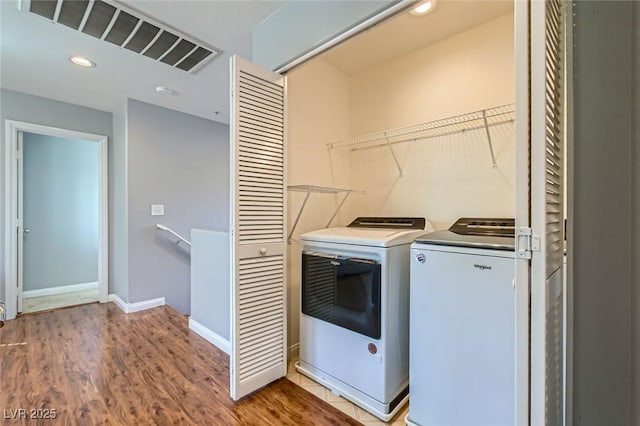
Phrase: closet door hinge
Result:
[526,243]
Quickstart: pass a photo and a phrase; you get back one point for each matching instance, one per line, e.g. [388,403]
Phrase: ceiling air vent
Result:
[127,28]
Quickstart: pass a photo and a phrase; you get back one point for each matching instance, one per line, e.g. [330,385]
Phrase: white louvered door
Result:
[548,22]
[258,228]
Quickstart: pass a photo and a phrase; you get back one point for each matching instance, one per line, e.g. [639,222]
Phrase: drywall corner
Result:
[118,207]
[603,243]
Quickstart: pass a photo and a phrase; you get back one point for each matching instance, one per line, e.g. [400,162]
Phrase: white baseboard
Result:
[124,306]
[59,290]
[294,351]
[129,308]
[146,304]
[213,338]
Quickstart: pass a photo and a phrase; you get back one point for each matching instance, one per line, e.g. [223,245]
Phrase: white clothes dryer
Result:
[354,320]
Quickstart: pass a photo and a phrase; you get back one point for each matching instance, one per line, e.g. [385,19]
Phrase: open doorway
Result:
[60,201]
[417,117]
[57,238]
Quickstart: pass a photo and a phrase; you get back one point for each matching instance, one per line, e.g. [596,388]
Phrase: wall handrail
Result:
[174,233]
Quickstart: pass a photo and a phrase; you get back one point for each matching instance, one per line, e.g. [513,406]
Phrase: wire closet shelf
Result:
[477,120]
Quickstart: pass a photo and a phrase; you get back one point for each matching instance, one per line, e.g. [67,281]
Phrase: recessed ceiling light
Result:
[81,61]
[165,90]
[423,8]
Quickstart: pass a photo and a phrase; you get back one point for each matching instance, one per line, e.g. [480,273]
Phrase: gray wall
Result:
[603,281]
[181,161]
[300,26]
[60,204]
[34,109]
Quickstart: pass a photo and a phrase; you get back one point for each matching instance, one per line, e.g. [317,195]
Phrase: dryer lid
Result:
[375,232]
[388,223]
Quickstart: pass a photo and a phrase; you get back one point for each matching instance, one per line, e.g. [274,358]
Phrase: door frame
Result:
[12,129]
[522,267]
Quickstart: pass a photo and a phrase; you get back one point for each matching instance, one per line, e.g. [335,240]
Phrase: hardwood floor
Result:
[93,364]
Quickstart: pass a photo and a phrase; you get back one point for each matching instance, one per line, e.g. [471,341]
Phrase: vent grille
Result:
[127,28]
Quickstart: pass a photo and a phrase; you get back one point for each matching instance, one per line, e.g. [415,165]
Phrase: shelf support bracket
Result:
[393,153]
[338,209]
[295,223]
[486,129]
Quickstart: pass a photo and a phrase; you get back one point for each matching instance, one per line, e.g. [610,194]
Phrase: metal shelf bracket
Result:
[308,189]
[295,223]
[393,153]
[486,128]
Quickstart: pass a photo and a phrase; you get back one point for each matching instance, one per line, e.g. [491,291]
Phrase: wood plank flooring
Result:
[94,364]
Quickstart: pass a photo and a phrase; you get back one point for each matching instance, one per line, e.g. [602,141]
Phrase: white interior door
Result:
[548,31]
[258,228]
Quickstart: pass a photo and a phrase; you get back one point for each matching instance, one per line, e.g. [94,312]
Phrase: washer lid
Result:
[448,238]
[495,234]
[490,227]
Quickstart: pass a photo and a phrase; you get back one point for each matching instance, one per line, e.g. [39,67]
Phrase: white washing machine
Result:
[354,320]
[462,325]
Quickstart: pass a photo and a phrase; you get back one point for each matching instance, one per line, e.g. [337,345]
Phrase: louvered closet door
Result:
[547,216]
[258,227]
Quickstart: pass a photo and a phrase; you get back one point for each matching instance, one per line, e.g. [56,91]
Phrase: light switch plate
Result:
[157,209]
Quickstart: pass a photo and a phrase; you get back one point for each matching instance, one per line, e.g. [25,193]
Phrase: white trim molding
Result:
[115,299]
[146,304]
[129,308]
[360,27]
[10,201]
[214,338]
[59,290]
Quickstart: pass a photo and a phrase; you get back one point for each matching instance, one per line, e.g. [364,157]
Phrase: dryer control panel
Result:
[484,227]
[389,222]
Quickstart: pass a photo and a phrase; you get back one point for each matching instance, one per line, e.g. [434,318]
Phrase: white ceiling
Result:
[34,57]
[406,33]
[34,52]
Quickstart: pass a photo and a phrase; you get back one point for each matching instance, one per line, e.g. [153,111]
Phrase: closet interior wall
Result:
[447,177]
[318,111]
[443,178]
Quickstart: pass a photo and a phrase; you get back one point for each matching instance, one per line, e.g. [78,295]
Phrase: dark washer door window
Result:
[343,291]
